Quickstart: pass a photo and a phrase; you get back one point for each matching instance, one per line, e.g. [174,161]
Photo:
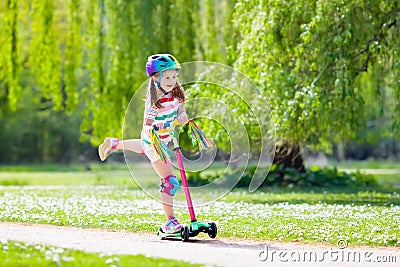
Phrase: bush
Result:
[288,177]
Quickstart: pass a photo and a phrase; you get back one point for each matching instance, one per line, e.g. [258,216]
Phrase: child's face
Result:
[169,79]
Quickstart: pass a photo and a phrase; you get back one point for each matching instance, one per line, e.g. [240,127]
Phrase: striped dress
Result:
[163,117]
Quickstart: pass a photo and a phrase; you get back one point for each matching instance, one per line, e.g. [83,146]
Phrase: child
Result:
[164,104]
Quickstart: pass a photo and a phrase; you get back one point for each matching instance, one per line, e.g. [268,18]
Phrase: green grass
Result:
[110,199]
[367,164]
[363,218]
[389,179]
[54,167]
[333,196]
[67,178]
[379,168]
[54,174]
[20,254]
[119,174]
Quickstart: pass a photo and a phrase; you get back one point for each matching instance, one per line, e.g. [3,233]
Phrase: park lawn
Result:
[121,174]
[117,177]
[367,164]
[361,218]
[110,198]
[21,254]
[54,167]
[76,174]
[389,179]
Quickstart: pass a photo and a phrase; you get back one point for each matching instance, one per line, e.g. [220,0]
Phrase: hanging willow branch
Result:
[44,53]
[9,54]
[73,54]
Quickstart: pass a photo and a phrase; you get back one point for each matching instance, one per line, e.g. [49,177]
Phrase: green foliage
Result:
[36,133]
[288,177]
[198,178]
[307,56]
[44,57]
[315,62]
[94,52]
[73,54]
[10,58]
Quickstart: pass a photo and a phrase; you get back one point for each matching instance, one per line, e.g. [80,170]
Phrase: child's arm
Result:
[149,122]
[148,126]
[182,116]
[150,115]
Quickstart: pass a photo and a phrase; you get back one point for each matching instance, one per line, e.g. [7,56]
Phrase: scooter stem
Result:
[184,180]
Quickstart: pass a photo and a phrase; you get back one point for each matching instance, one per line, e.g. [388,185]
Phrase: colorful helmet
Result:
[161,62]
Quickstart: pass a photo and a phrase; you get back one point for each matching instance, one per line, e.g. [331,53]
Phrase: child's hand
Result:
[147,129]
[182,118]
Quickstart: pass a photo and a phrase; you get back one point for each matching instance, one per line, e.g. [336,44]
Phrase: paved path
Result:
[216,252]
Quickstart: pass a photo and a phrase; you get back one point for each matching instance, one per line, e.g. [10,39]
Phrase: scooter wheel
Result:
[212,231]
[185,233]
[159,234]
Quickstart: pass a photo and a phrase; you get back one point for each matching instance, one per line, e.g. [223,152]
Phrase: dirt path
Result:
[218,252]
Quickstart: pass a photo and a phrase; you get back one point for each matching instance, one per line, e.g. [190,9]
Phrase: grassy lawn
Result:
[67,178]
[389,179]
[306,215]
[387,172]
[52,174]
[20,254]
[367,164]
[365,218]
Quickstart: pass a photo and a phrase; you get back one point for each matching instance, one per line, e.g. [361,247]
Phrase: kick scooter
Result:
[195,226]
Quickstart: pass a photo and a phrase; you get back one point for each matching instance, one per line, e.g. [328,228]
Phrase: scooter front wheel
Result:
[212,231]
[185,233]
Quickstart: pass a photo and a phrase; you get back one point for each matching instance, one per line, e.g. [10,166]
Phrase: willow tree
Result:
[10,59]
[214,30]
[89,54]
[40,40]
[110,49]
[307,56]
[183,29]
[119,37]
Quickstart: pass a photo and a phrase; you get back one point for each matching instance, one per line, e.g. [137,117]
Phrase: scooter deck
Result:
[183,234]
[197,227]
[166,235]
[192,231]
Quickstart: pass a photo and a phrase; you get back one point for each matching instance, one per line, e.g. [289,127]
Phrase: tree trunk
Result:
[288,155]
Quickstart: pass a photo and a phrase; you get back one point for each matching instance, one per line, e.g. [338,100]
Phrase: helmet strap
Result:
[159,84]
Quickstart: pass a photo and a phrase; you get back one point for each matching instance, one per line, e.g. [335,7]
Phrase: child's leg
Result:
[134,145]
[165,170]
[112,144]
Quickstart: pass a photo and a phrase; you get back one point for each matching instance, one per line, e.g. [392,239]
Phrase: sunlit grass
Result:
[53,174]
[119,177]
[364,218]
[20,254]
[390,179]
[106,196]
[367,164]
[76,167]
